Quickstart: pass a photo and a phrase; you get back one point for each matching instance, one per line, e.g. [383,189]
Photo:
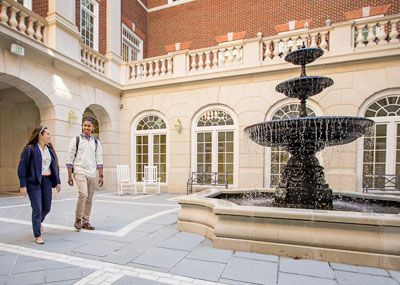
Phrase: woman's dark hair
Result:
[34,139]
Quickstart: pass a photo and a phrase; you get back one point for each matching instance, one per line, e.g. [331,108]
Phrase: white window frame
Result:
[96,24]
[391,132]
[150,133]
[214,141]
[267,158]
[27,4]
[130,44]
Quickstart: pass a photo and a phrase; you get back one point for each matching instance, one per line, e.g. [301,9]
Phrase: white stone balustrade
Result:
[18,17]
[377,31]
[223,56]
[94,60]
[275,48]
[152,68]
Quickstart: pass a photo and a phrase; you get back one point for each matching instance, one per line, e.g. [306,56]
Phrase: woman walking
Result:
[38,174]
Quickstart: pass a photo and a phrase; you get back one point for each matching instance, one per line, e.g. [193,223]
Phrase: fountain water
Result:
[303,184]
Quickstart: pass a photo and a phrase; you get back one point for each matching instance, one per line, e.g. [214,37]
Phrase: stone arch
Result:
[23,107]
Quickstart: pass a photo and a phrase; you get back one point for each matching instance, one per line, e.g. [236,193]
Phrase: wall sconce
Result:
[72,118]
[178,126]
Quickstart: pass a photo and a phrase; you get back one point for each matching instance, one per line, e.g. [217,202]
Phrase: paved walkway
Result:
[136,242]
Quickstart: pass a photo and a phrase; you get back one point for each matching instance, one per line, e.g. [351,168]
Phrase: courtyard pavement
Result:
[136,242]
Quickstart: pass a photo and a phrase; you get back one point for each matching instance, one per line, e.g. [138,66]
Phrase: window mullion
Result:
[391,148]
[214,138]
[151,149]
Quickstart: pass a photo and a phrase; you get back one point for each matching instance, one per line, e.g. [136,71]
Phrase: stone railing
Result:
[22,19]
[276,47]
[152,68]
[94,60]
[223,56]
[377,31]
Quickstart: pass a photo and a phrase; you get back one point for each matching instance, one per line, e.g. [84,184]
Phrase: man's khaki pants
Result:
[86,186]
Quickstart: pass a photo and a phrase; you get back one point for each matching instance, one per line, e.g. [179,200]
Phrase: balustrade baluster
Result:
[193,62]
[382,33]
[3,12]
[360,36]
[208,61]
[163,68]
[371,36]
[169,66]
[276,49]
[38,33]
[267,53]
[13,17]
[285,47]
[157,68]
[151,69]
[21,24]
[324,43]
[393,32]
[30,31]
[215,59]
[314,40]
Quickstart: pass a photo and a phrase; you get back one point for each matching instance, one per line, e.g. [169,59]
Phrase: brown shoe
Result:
[39,240]
[88,226]
[78,224]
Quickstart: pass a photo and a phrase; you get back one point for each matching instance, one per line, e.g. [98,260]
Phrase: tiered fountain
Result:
[303,184]
[265,223]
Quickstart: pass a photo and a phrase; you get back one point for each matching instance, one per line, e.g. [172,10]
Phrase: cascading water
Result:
[303,181]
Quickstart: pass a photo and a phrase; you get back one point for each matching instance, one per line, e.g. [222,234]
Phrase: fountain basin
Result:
[367,239]
[304,87]
[312,133]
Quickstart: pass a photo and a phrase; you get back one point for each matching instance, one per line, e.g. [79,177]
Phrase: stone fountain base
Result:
[366,239]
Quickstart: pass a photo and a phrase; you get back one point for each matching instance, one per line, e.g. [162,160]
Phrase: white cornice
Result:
[165,6]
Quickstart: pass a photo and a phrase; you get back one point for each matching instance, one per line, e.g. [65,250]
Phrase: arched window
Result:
[280,157]
[381,153]
[151,146]
[214,135]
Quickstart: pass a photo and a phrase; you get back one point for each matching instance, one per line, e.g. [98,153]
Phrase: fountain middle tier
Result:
[304,86]
[308,134]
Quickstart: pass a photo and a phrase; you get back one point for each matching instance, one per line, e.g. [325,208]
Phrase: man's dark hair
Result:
[88,119]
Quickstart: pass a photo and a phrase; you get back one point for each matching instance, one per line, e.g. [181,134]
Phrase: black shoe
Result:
[78,224]
[88,226]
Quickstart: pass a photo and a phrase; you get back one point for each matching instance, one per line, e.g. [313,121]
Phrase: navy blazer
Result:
[30,168]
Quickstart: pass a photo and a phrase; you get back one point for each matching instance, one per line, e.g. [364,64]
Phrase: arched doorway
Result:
[20,113]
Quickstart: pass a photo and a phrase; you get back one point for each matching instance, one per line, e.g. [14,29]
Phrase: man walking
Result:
[84,157]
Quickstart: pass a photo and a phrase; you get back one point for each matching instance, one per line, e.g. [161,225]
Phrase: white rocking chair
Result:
[124,180]
[150,179]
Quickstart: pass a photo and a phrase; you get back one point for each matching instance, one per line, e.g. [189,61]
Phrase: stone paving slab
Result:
[128,280]
[351,278]
[161,257]
[359,269]
[100,248]
[253,271]
[295,279]
[199,269]
[183,241]
[306,267]
[256,256]
[63,274]
[210,254]
[395,275]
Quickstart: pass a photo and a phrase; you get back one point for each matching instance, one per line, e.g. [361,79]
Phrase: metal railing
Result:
[210,178]
[381,182]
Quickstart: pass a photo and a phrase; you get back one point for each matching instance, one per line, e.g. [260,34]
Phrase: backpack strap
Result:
[96,142]
[77,139]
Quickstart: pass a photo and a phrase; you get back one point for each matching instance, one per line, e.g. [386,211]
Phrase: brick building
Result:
[173,83]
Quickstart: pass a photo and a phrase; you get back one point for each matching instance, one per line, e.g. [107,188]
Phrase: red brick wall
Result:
[201,21]
[134,12]
[155,3]
[102,26]
[40,7]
